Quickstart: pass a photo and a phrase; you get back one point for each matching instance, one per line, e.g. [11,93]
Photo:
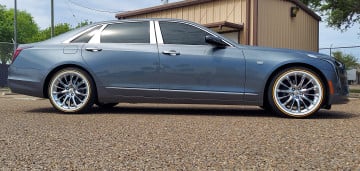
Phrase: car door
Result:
[191,69]
[124,59]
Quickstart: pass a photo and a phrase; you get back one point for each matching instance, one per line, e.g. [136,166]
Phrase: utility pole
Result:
[15,25]
[52,18]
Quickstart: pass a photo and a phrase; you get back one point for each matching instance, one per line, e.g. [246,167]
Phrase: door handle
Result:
[171,52]
[93,49]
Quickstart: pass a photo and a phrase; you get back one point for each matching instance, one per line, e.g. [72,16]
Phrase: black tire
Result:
[296,92]
[106,105]
[71,90]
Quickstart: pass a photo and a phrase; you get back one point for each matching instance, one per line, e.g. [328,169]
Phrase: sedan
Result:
[173,61]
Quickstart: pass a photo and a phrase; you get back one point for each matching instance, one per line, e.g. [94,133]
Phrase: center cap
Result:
[296,92]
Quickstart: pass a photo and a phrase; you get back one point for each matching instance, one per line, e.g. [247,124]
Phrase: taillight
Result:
[17,52]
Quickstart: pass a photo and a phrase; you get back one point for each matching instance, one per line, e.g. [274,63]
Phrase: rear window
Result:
[85,37]
[132,32]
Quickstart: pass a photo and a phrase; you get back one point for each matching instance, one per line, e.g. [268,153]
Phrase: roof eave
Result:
[160,8]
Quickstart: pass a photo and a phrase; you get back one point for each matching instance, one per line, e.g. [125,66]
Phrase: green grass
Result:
[354,90]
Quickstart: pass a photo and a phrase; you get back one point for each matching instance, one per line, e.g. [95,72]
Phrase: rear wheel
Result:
[296,92]
[71,90]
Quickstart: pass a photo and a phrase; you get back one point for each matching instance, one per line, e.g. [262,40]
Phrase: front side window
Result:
[180,33]
[132,32]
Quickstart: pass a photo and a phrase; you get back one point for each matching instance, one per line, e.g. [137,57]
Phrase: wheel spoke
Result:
[298,92]
[283,97]
[307,99]
[302,80]
[305,105]
[283,91]
[298,105]
[81,94]
[288,79]
[69,91]
[283,84]
[288,100]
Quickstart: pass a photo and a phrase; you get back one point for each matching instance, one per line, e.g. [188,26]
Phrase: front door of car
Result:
[124,60]
[191,69]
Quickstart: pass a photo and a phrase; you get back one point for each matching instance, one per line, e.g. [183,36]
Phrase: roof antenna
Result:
[164,1]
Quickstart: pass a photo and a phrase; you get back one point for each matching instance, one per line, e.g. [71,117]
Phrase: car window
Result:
[132,32]
[180,33]
[85,37]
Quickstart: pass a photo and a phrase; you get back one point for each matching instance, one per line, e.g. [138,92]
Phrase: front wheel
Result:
[296,92]
[71,90]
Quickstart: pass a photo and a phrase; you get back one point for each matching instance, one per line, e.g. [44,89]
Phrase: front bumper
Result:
[340,85]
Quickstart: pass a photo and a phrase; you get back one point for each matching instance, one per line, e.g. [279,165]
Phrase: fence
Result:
[6,52]
[352,50]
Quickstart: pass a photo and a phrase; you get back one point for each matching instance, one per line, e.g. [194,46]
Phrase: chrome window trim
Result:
[96,37]
[79,34]
[159,37]
[193,25]
[152,33]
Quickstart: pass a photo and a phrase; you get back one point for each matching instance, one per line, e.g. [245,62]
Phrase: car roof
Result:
[141,19]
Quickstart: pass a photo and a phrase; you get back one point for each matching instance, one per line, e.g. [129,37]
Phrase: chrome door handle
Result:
[171,52]
[93,49]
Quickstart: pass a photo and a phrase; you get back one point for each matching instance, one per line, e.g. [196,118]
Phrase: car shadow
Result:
[207,111]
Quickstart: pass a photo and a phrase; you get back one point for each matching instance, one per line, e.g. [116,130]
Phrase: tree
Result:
[26,29]
[83,23]
[350,61]
[46,33]
[341,14]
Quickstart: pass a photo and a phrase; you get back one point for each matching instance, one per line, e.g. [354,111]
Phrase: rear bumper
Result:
[25,87]
[25,81]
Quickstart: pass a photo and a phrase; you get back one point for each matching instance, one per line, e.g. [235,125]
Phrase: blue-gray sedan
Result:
[173,61]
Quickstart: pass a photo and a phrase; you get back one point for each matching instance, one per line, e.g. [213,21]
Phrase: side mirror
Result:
[215,41]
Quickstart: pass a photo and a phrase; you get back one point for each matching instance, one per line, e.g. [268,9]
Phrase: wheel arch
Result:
[290,65]
[60,67]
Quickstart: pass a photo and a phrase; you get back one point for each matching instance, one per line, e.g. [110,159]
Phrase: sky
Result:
[75,11]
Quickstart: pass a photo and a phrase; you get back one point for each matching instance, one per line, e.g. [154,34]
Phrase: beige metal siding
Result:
[277,29]
[219,10]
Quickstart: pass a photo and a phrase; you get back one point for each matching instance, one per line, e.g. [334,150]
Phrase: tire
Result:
[296,92]
[106,105]
[71,90]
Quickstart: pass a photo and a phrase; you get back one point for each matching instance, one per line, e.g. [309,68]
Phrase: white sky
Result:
[70,11]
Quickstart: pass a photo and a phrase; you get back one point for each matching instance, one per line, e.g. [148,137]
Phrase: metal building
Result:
[273,23]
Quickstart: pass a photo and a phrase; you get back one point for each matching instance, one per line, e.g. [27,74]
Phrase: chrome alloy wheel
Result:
[69,91]
[298,93]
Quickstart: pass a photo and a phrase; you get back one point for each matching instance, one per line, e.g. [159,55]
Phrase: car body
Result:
[173,61]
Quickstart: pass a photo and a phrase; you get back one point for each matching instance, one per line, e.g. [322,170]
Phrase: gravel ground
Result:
[33,136]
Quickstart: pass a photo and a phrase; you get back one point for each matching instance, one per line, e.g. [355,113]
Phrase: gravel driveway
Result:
[175,137]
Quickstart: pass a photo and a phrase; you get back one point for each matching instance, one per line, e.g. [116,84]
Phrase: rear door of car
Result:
[124,57]
[191,69]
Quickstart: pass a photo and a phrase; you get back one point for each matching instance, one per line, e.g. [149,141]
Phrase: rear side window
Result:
[180,33]
[136,32]
[85,37]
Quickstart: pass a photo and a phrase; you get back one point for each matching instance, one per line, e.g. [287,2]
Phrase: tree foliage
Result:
[350,61]
[341,14]
[46,33]
[27,28]
[28,31]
